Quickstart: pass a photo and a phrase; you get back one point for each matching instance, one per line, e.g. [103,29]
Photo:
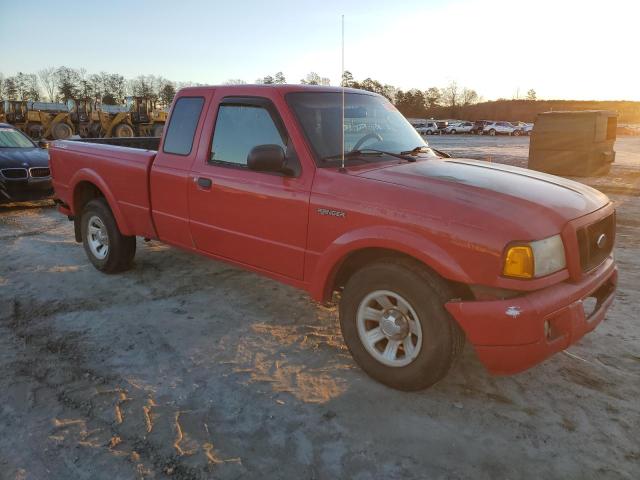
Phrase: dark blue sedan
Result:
[24,167]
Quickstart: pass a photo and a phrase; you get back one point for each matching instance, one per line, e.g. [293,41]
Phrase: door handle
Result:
[204,182]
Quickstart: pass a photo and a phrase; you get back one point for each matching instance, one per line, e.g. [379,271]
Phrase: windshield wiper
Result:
[365,151]
[418,149]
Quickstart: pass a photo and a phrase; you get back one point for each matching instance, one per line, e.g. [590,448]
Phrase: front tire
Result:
[394,323]
[123,130]
[107,249]
[61,131]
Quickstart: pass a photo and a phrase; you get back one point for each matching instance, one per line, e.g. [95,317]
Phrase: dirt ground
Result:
[185,368]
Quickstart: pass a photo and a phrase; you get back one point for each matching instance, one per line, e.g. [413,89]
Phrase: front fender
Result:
[89,175]
[390,238]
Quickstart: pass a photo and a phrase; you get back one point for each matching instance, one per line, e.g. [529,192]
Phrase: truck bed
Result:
[144,143]
[121,173]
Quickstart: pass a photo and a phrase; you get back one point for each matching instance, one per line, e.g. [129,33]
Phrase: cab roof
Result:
[283,88]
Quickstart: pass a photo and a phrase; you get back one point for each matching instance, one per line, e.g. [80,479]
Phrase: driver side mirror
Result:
[267,158]
[43,144]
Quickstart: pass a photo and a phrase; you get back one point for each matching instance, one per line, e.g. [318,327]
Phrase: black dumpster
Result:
[575,144]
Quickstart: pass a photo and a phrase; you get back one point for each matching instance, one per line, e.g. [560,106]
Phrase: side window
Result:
[240,128]
[179,135]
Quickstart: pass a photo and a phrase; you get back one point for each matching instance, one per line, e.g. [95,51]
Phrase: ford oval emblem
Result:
[602,240]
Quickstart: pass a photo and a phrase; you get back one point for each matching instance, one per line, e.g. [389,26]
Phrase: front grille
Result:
[596,242]
[14,173]
[39,172]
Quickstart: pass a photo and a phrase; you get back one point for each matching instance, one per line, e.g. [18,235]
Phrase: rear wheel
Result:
[123,130]
[61,131]
[107,249]
[453,132]
[516,133]
[393,321]
[492,132]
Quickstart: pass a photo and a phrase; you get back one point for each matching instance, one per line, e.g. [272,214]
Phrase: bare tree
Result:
[10,90]
[235,81]
[531,94]
[433,96]
[469,96]
[314,79]
[49,81]
[451,95]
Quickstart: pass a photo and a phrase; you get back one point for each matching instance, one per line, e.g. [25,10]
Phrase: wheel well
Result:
[366,256]
[83,194]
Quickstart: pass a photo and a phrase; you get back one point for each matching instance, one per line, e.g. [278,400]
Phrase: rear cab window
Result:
[180,133]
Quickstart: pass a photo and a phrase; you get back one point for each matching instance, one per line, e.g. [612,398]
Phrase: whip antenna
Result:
[342,84]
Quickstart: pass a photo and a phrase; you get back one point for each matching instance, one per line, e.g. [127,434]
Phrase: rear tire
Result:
[492,132]
[411,342]
[123,130]
[107,249]
[61,131]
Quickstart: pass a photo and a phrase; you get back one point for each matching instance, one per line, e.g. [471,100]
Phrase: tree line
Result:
[58,84]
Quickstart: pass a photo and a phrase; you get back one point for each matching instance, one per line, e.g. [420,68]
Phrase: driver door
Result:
[254,218]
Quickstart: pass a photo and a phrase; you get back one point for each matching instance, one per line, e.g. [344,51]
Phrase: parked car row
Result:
[479,127]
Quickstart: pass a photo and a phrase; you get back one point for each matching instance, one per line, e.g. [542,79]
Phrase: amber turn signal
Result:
[518,262]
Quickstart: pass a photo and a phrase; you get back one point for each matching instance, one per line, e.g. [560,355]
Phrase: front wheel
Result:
[107,249]
[393,321]
[61,131]
[492,132]
[123,130]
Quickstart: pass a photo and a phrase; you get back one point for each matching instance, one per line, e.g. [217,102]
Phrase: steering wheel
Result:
[368,136]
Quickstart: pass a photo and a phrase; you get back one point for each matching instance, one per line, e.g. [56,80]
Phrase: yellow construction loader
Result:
[146,118]
[39,119]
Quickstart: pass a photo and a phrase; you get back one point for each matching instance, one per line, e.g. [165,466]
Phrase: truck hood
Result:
[527,189]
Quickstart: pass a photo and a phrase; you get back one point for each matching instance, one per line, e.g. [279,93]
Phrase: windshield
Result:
[371,122]
[12,138]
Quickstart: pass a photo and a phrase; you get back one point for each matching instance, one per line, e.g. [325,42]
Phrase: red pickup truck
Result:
[424,251]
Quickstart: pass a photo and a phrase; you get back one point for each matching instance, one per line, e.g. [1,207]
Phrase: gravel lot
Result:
[186,368]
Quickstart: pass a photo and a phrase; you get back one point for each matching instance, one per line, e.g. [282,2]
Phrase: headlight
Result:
[535,259]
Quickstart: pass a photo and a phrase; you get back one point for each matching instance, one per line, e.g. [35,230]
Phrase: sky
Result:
[564,49]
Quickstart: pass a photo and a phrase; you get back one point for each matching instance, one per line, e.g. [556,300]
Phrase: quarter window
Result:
[182,126]
[240,128]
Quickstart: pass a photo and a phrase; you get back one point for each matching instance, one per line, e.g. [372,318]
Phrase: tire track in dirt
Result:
[106,415]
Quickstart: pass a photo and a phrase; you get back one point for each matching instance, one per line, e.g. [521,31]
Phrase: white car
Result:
[500,128]
[427,128]
[525,128]
[462,127]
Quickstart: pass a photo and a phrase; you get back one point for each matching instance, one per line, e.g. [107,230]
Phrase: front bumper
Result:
[25,189]
[512,335]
